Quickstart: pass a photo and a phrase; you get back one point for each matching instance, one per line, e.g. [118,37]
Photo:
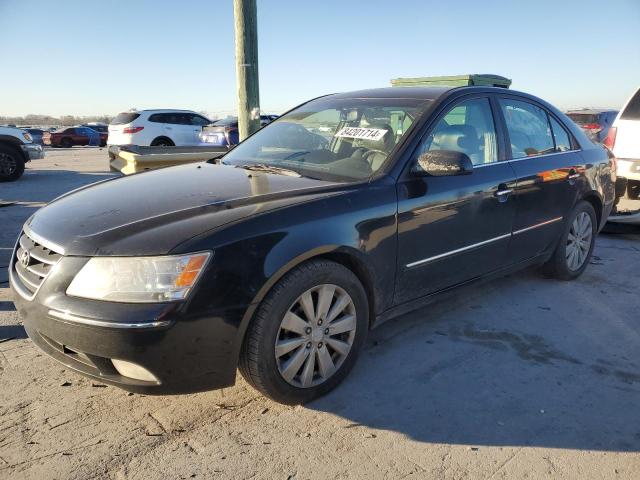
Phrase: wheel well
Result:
[162,137]
[15,147]
[596,204]
[359,271]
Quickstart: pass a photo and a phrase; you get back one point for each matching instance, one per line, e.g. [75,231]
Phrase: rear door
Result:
[627,144]
[454,228]
[548,168]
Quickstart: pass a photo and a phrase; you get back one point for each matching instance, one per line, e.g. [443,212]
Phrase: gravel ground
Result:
[522,377]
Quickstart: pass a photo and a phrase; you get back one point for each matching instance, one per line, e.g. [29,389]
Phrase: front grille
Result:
[33,262]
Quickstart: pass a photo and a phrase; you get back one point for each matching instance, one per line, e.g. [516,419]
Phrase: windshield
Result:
[331,139]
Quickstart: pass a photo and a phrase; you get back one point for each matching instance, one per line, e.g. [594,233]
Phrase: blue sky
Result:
[85,57]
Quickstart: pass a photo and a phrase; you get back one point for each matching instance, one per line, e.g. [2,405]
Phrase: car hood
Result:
[151,213]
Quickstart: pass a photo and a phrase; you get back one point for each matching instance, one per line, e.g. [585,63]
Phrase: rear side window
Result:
[632,110]
[560,135]
[528,127]
[198,120]
[125,117]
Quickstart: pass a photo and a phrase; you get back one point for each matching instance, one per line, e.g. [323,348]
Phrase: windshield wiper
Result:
[261,167]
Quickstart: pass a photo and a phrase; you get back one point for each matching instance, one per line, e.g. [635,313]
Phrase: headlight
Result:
[27,136]
[139,279]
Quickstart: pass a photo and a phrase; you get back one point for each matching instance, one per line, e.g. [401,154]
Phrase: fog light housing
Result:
[133,370]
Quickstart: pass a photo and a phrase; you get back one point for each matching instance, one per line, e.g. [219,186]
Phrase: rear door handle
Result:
[573,174]
[503,192]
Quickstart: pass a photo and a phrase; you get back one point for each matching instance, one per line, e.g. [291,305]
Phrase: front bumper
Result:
[185,351]
[628,168]
[33,151]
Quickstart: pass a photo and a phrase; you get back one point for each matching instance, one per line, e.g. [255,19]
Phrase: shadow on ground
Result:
[12,332]
[492,367]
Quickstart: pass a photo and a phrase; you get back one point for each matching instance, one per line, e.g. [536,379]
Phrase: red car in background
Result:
[75,136]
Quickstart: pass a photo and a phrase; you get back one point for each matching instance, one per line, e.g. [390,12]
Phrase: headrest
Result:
[457,137]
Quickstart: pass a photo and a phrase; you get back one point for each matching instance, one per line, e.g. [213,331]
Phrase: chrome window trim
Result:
[71,318]
[523,158]
[480,244]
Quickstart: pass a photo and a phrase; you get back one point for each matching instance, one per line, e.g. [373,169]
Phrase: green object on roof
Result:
[486,80]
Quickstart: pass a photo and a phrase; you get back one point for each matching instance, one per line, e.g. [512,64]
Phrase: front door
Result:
[548,168]
[455,228]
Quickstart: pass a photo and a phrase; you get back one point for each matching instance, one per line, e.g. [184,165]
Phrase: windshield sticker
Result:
[373,134]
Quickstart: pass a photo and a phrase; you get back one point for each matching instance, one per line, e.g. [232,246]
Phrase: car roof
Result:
[163,110]
[426,93]
[592,111]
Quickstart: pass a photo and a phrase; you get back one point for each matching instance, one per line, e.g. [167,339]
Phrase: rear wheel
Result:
[162,142]
[575,247]
[306,334]
[11,163]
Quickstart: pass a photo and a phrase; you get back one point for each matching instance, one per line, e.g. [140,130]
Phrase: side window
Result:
[468,127]
[199,121]
[562,141]
[528,127]
[157,118]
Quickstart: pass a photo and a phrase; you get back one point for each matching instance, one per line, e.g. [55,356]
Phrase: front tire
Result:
[306,334]
[575,247]
[11,164]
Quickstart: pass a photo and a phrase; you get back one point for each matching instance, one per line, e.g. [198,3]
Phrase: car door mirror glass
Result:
[441,163]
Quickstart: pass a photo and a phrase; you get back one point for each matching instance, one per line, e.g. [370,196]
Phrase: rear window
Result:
[226,122]
[583,118]
[125,117]
[632,111]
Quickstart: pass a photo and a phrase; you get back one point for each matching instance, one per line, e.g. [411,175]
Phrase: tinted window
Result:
[157,118]
[229,121]
[468,128]
[528,127]
[560,135]
[584,118]
[126,117]
[632,111]
[199,120]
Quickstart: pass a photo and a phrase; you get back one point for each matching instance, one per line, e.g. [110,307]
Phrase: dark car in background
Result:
[97,127]
[71,136]
[281,257]
[595,122]
[225,132]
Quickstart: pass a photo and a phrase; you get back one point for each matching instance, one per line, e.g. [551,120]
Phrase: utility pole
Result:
[246,27]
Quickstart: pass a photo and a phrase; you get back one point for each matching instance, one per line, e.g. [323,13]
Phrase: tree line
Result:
[64,120]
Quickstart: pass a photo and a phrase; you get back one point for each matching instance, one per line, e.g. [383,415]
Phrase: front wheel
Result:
[306,334]
[575,247]
[11,164]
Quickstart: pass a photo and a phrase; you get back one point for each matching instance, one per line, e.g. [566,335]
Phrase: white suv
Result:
[157,128]
[624,140]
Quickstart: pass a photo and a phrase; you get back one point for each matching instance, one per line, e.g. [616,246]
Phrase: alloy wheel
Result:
[579,241]
[315,336]
[7,165]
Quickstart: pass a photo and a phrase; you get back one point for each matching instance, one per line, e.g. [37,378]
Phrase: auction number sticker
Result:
[373,134]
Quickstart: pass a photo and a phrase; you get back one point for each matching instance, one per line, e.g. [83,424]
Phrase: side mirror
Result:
[443,163]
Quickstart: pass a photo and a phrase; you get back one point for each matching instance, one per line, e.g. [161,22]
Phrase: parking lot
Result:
[523,377]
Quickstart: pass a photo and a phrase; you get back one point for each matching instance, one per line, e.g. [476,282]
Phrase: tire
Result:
[633,189]
[11,163]
[162,142]
[564,265]
[271,374]
[66,143]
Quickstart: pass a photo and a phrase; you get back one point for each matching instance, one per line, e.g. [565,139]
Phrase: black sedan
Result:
[280,257]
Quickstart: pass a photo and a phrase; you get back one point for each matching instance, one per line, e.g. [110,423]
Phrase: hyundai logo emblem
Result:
[25,258]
